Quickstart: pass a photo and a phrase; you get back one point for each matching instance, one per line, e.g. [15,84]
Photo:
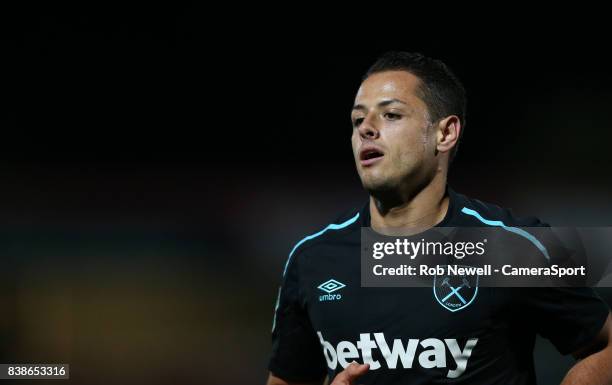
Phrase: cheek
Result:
[354,142]
[405,141]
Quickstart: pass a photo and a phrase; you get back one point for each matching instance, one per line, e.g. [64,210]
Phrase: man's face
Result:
[393,140]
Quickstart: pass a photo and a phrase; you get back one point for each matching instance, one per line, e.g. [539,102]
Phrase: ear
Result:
[448,132]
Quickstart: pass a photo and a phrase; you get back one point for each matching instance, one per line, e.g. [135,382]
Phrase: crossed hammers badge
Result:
[455,292]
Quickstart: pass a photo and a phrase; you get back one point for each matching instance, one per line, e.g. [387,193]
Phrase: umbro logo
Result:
[330,287]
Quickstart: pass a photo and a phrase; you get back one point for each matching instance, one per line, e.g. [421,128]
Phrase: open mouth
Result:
[370,155]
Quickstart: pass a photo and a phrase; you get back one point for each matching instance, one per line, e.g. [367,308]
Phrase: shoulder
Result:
[530,229]
[474,212]
[337,233]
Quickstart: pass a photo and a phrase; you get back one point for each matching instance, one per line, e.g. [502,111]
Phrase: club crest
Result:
[455,292]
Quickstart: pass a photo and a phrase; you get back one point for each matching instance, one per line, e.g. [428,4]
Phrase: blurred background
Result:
[157,165]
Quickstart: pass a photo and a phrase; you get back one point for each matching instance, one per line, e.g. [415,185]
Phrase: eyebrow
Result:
[381,104]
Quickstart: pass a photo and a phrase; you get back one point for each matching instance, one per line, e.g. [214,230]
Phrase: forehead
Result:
[388,85]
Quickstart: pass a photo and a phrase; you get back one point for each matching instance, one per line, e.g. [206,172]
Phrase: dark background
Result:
[157,165]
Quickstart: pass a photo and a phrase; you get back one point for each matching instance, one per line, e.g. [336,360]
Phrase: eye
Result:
[392,116]
[357,122]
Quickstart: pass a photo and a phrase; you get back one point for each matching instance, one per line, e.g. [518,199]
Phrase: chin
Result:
[377,183]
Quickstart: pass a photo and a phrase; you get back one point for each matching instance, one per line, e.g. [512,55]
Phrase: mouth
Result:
[370,155]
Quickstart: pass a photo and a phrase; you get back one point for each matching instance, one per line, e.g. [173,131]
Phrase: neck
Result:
[418,210]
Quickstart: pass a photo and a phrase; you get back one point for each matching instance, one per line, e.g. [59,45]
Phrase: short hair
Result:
[441,90]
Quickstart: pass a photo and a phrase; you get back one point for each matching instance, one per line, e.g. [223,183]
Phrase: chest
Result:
[337,303]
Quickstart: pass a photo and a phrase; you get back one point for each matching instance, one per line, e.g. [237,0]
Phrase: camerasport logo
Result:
[430,353]
[330,287]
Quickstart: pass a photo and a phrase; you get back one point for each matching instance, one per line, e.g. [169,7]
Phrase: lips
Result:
[370,154]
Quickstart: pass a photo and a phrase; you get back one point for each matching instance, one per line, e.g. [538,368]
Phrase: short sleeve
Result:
[296,352]
[570,317]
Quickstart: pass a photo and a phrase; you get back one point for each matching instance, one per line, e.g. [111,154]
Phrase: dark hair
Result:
[441,90]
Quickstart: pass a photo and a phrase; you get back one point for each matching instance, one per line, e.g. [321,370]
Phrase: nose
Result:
[367,130]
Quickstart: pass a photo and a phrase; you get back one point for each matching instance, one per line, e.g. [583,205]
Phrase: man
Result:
[408,117]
